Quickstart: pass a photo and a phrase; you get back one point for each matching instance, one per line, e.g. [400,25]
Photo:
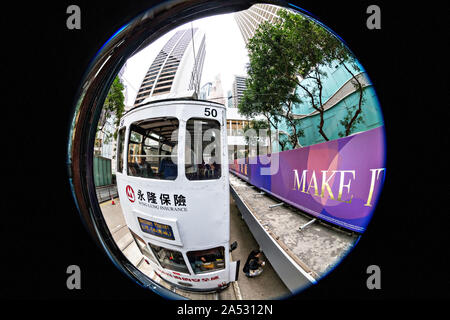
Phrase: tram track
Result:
[299,255]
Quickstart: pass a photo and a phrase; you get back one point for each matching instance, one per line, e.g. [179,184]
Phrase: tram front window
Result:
[204,261]
[142,246]
[203,149]
[170,259]
[152,151]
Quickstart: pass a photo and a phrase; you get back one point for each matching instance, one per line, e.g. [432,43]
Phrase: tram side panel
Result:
[161,225]
[337,181]
[181,216]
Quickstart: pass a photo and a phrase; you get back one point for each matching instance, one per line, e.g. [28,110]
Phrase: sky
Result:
[225,54]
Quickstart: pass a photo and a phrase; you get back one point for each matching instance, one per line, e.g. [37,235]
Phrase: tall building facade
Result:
[238,88]
[205,91]
[213,91]
[177,68]
[229,99]
[249,20]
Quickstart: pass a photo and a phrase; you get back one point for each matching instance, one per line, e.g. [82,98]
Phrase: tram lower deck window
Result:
[204,261]
[152,151]
[203,149]
[170,259]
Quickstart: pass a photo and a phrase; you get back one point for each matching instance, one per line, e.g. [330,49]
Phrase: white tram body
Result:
[172,179]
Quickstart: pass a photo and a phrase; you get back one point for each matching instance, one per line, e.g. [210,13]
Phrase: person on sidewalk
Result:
[254,265]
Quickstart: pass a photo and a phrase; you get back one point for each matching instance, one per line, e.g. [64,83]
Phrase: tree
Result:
[113,107]
[351,119]
[354,113]
[283,140]
[282,56]
[253,135]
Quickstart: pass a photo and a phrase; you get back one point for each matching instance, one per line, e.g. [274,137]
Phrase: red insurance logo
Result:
[130,193]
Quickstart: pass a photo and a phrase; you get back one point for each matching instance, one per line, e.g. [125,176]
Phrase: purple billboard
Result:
[337,181]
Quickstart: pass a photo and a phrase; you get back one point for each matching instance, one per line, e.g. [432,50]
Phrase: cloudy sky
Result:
[225,54]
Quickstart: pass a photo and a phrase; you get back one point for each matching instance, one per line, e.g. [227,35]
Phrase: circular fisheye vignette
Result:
[98,80]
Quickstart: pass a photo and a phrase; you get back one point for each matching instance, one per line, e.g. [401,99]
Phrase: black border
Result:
[44,64]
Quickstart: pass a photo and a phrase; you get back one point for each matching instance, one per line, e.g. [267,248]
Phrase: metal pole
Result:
[307,224]
[276,205]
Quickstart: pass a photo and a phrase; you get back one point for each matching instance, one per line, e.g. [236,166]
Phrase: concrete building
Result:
[205,91]
[237,122]
[176,69]
[235,127]
[213,91]
[249,20]
[238,88]
[230,99]
[340,98]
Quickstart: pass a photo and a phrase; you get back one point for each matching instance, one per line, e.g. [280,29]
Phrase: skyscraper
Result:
[213,91]
[177,68]
[230,99]
[249,20]
[239,87]
[205,91]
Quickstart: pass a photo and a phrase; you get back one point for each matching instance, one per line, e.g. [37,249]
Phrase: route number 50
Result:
[210,112]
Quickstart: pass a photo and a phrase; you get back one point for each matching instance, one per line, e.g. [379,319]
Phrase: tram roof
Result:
[150,103]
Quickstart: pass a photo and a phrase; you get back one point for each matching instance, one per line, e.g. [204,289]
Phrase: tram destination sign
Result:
[156,229]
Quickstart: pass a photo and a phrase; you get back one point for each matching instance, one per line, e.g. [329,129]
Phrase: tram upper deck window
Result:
[121,146]
[203,149]
[152,151]
[207,260]
[170,259]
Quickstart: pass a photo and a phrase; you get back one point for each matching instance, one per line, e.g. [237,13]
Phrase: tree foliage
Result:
[113,107]
[255,132]
[282,55]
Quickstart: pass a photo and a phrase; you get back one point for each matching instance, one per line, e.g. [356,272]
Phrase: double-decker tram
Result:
[172,180]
